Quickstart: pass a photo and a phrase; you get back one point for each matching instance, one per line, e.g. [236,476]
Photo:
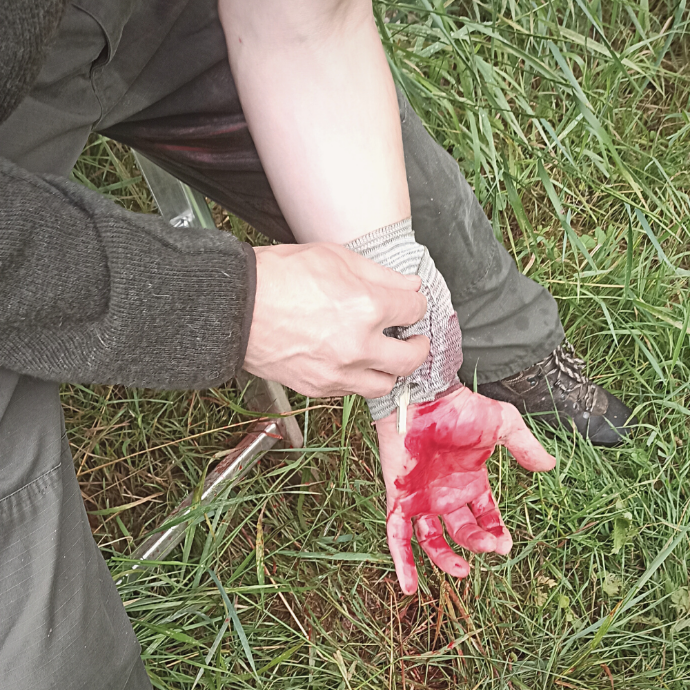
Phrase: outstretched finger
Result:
[399,530]
[488,517]
[520,441]
[430,537]
[463,527]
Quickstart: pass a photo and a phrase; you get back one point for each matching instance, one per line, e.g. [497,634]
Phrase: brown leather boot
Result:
[557,391]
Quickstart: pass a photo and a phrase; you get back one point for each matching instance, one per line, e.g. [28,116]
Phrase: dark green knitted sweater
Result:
[92,293]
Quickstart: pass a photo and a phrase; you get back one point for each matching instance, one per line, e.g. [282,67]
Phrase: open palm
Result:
[437,470]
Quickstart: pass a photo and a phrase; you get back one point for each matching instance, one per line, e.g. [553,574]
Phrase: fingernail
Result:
[413,277]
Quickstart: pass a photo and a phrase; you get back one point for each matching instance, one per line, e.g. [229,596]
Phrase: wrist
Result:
[394,246]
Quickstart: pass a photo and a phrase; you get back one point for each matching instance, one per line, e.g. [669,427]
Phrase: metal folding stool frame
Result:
[184,207]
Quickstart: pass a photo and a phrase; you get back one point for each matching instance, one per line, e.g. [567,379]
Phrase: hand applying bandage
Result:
[435,435]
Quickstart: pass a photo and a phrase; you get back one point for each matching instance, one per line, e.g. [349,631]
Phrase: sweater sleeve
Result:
[92,293]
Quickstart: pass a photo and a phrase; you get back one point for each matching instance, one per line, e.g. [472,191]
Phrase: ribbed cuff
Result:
[394,246]
[366,244]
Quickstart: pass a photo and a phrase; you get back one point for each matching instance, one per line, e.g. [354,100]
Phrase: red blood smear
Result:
[447,436]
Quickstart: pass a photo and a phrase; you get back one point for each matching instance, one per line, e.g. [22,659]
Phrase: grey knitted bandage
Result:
[394,246]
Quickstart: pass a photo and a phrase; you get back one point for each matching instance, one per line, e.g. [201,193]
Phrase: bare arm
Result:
[321,106]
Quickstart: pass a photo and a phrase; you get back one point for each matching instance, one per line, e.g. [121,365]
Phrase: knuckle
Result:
[407,367]
[350,355]
[317,389]
[369,306]
[383,388]
[326,383]
[329,260]
[413,366]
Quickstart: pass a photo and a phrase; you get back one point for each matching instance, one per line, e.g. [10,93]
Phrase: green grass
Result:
[572,121]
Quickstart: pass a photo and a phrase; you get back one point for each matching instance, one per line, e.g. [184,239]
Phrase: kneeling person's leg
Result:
[62,622]
[508,321]
[511,331]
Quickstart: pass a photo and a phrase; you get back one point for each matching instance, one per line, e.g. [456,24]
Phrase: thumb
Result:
[399,531]
[520,441]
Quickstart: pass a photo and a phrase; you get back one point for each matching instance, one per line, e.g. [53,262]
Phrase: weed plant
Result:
[571,119]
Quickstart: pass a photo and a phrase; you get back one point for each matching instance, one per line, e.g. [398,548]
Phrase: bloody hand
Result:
[438,469]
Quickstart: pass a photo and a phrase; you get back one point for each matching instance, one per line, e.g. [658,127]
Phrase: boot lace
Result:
[574,369]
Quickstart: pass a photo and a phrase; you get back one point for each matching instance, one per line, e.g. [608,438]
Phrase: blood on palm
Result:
[444,440]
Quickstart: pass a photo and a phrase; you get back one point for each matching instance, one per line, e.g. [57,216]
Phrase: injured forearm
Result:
[320,102]
[321,106]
